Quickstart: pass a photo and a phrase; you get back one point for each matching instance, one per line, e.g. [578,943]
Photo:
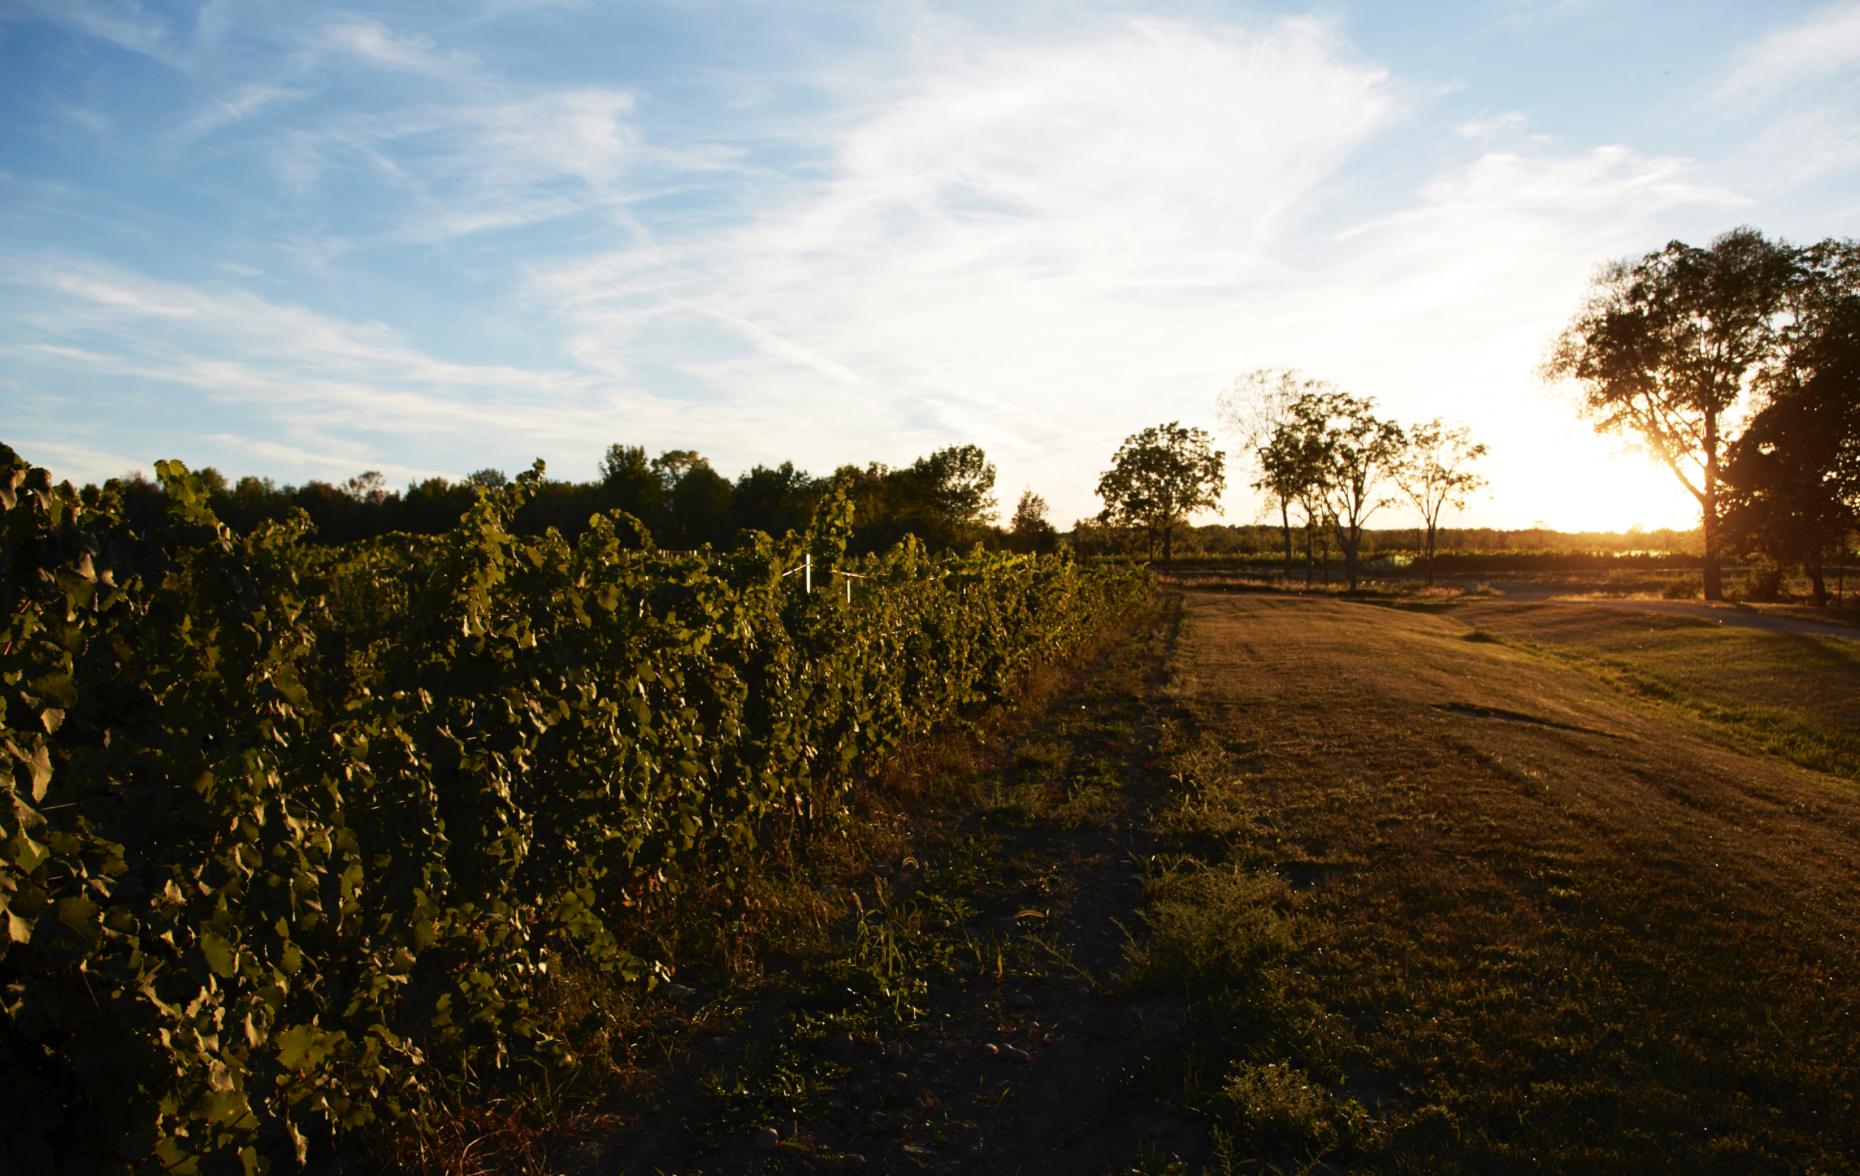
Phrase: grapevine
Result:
[289,829]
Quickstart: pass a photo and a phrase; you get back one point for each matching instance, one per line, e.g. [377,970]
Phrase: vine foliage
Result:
[290,832]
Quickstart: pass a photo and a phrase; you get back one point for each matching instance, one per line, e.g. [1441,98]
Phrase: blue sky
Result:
[305,241]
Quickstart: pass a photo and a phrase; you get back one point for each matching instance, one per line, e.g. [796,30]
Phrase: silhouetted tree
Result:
[1667,346]
[697,502]
[1792,480]
[946,500]
[1257,411]
[433,506]
[1360,454]
[1294,465]
[369,488]
[776,501]
[1030,533]
[1436,472]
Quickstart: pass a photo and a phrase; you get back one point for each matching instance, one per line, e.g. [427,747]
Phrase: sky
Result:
[304,241]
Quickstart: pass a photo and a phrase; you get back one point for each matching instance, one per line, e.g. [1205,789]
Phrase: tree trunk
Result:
[1168,534]
[1708,506]
[1285,524]
[1820,581]
[1432,526]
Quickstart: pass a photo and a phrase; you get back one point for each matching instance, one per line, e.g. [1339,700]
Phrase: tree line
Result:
[947,500]
[1737,365]
[1325,461]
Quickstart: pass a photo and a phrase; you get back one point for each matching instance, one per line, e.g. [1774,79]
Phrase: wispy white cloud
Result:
[1826,42]
[240,104]
[322,390]
[372,42]
[1051,247]
[1496,126]
[124,24]
[466,166]
[78,463]
[775,345]
[1795,98]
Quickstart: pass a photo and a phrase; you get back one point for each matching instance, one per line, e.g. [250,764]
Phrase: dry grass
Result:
[1565,898]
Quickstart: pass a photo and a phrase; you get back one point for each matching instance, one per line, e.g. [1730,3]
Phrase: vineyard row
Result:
[292,832]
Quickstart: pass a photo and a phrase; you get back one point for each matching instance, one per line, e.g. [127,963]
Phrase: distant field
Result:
[1574,889]
[1673,571]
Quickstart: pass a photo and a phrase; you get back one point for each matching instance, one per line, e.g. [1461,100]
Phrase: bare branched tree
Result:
[1436,473]
[1257,413]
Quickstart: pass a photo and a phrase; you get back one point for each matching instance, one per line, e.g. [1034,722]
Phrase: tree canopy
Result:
[1792,480]
[946,499]
[1030,533]
[1668,345]
[1358,453]
[1159,478]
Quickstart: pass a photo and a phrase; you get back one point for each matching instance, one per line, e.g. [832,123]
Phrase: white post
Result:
[809,574]
[848,589]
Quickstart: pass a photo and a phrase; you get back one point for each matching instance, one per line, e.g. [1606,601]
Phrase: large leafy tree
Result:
[1667,347]
[1792,480]
[631,483]
[698,508]
[946,500]
[955,487]
[1436,473]
[1159,478]
[776,500]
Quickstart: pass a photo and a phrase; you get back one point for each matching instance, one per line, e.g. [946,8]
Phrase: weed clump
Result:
[1277,1103]
[1211,930]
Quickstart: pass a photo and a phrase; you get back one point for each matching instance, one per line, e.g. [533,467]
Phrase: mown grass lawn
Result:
[1576,894]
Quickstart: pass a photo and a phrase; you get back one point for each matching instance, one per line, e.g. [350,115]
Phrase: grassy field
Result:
[1565,889]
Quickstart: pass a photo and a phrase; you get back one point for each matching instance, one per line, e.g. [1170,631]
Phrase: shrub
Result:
[1684,588]
[1211,930]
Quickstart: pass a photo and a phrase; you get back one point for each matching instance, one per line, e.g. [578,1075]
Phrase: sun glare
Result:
[1575,482]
